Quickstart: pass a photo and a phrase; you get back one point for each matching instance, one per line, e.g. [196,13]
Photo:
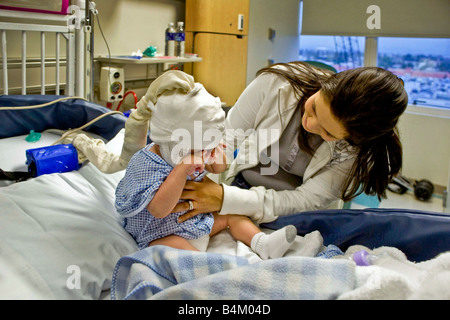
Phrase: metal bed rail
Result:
[62,27]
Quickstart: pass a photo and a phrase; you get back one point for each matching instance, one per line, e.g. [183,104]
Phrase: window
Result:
[424,66]
[422,63]
[340,52]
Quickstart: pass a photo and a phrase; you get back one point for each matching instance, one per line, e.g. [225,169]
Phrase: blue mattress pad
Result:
[67,114]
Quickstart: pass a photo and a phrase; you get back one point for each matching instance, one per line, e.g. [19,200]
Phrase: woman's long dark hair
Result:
[306,80]
[368,102]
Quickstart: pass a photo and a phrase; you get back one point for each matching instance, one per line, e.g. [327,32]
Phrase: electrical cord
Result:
[127,93]
[68,132]
[95,13]
[103,36]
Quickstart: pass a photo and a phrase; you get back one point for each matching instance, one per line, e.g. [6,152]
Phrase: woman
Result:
[306,138]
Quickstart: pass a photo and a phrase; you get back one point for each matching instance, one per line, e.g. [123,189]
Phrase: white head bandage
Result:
[182,122]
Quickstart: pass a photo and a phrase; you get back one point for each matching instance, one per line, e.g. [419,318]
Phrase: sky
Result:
[415,46]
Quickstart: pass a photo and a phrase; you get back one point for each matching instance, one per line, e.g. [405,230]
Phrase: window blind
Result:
[377,18]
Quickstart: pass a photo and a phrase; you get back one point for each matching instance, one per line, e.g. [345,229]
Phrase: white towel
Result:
[182,122]
[395,277]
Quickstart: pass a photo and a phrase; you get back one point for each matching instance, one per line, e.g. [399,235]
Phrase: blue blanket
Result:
[161,272]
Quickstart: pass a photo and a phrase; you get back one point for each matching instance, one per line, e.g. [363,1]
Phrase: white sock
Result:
[273,245]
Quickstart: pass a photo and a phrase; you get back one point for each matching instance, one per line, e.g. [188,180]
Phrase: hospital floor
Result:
[406,201]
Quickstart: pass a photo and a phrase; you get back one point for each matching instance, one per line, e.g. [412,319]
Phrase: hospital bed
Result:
[61,238]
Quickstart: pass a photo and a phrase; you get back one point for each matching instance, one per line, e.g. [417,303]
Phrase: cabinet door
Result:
[223,69]
[219,16]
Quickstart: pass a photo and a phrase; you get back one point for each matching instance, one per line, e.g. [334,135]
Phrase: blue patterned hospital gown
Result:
[145,173]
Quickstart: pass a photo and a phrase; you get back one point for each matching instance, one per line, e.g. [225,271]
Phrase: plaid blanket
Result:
[160,272]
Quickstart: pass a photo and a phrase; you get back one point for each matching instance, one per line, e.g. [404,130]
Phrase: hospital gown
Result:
[145,173]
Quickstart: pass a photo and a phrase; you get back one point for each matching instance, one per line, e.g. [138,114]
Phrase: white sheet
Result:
[13,158]
[59,224]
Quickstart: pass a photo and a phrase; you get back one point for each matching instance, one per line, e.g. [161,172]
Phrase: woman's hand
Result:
[206,196]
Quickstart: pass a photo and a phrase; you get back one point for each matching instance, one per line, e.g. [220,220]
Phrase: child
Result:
[156,175]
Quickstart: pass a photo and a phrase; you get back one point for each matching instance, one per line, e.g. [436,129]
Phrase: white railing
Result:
[62,26]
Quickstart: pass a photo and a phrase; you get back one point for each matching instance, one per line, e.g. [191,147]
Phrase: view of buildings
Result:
[423,64]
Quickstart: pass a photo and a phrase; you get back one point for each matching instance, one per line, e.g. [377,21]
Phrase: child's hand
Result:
[193,163]
[216,155]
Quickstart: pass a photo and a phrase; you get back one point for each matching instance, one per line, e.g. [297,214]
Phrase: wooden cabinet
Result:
[223,70]
[220,16]
[213,32]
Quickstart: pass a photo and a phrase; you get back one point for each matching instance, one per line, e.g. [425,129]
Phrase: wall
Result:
[426,147]
[148,20]
[282,16]
[129,25]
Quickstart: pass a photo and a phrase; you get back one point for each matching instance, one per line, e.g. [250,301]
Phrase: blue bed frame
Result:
[421,235]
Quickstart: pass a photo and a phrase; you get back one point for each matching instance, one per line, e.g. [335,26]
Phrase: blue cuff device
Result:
[52,159]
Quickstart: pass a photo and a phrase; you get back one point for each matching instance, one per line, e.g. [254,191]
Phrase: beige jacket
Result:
[261,114]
